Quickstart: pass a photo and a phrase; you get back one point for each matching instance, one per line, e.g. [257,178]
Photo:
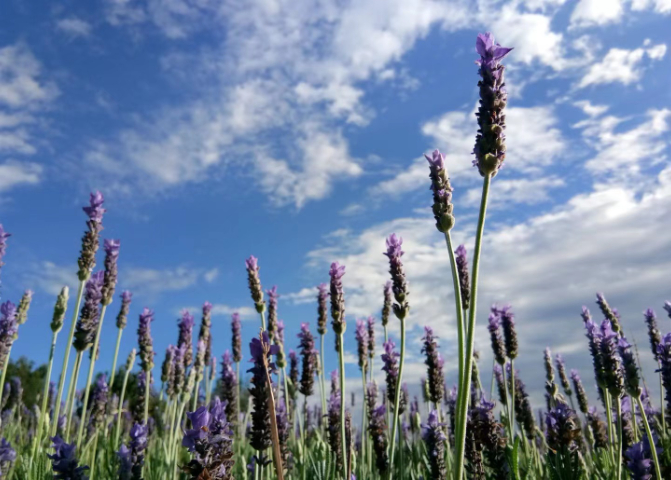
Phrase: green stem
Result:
[343,434]
[92,365]
[147,384]
[386,336]
[64,370]
[609,419]
[651,440]
[208,384]
[73,389]
[194,400]
[618,404]
[323,384]
[4,374]
[93,458]
[121,399]
[263,319]
[363,418]
[237,420]
[462,400]
[116,357]
[397,401]
[45,397]
[661,399]
[512,398]
[457,302]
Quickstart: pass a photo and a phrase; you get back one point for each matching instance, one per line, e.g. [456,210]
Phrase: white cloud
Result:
[220,309]
[74,27]
[660,6]
[211,275]
[596,12]
[590,109]
[13,174]
[621,66]
[51,278]
[625,152]
[524,191]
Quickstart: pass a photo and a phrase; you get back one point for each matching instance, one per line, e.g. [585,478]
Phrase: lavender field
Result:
[266,407]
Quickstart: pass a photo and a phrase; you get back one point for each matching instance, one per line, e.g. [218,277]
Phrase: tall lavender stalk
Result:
[401,309]
[3,243]
[146,346]
[322,321]
[489,156]
[8,331]
[86,262]
[339,326]
[121,322]
[236,348]
[107,293]
[386,308]
[655,338]
[254,282]
[56,326]
[205,334]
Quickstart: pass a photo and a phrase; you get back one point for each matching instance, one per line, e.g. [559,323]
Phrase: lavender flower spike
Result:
[608,312]
[336,272]
[145,341]
[90,313]
[122,317]
[464,277]
[272,312]
[322,308]
[205,331]
[434,364]
[236,340]
[653,331]
[667,307]
[664,357]
[8,329]
[260,350]
[254,282]
[309,354]
[494,328]
[23,307]
[386,306]
[362,344]
[59,310]
[631,376]
[490,148]
[185,337]
[435,439]
[90,240]
[390,367]
[371,338]
[580,393]
[64,461]
[111,272]
[377,426]
[613,371]
[7,457]
[229,387]
[3,243]
[400,286]
[442,192]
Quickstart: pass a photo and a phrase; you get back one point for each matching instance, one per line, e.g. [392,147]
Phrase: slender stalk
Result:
[64,370]
[93,457]
[661,399]
[92,364]
[618,405]
[277,454]
[146,395]
[4,375]
[118,417]
[208,384]
[512,398]
[45,397]
[460,313]
[609,419]
[116,356]
[343,433]
[237,368]
[194,399]
[73,389]
[386,336]
[323,385]
[263,319]
[651,440]
[462,400]
[397,402]
[364,444]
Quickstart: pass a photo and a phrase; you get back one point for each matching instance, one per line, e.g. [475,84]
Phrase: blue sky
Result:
[294,131]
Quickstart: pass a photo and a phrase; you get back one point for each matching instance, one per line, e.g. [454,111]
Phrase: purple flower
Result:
[64,461]
[653,331]
[95,208]
[500,384]
[386,306]
[613,371]
[236,340]
[490,141]
[87,256]
[434,438]
[631,375]
[333,429]
[434,364]
[322,309]
[98,404]
[133,457]
[272,311]
[229,386]
[200,419]
[362,344]
[254,283]
[390,361]
[168,370]
[185,337]
[610,313]
[667,307]
[377,427]
[337,300]
[586,316]
[639,462]
[121,319]
[8,329]
[563,428]
[664,357]
[464,278]
[87,324]
[442,192]
[111,247]
[205,332]
[309,355]
[261,350]
[145,341]
[283,432]
[563,378]
[580,393]
[399,284]
[509,334]
[495,336]
[60,309]
[371,337]
[7,456]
